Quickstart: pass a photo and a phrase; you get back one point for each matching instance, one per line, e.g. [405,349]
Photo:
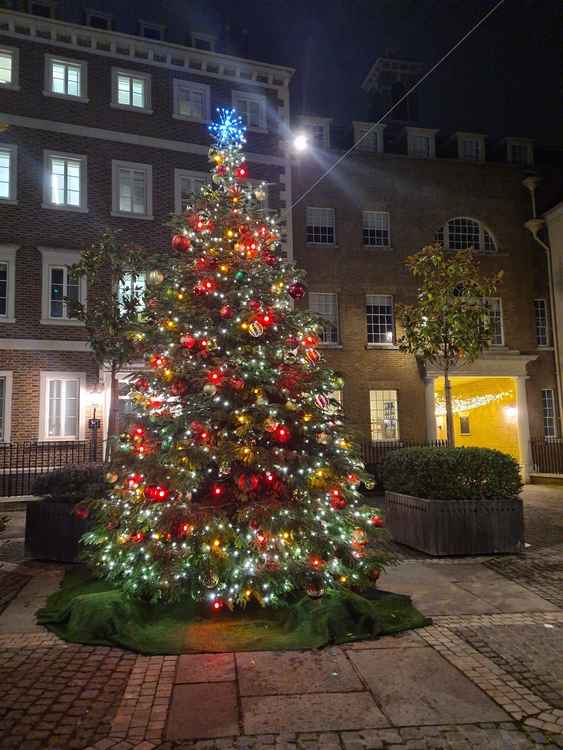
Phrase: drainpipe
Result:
[534,226]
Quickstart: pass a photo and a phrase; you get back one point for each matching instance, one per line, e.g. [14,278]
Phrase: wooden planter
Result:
[455,527]
[52,531]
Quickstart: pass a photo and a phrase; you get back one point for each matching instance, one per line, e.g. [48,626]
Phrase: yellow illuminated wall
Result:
[494,425]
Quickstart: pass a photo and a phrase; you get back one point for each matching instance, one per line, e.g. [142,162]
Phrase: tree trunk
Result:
[449,410]
[113,414]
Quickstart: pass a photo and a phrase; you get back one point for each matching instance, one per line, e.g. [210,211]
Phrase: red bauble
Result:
[241,173]
[248,482]
[156,493]
[142,384]
[226,312]
[237,384]
[216,377]
[181,243]
[266,318]
[313,356]
[188,341]
[337,501]
[377,521]
[158,360]
[316,562]
[138,537]
[217,605]
[297,290]
[179,387]
[81,512]
[281,434]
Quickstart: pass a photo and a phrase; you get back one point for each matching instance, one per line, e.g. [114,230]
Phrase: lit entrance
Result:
[485,412]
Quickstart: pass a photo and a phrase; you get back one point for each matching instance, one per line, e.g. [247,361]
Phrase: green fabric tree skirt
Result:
[91,611]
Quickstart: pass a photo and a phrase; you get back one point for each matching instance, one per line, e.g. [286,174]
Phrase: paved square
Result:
[277,673]
[417,686]
[316,712]
[202,711]
[205,668]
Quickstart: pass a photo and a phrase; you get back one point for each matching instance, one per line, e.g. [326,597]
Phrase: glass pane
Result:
[57,293]
[73,80]
[73,183]
[54,427]
[5,161]
[73,287]
[3,288]
[58,181]
[138,86]
[5,68]
[2,407]
[139,192]
[71,394]
[123,90]
[58,78]
[125,203]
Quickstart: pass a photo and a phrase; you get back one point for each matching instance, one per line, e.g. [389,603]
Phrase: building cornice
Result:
[143,51]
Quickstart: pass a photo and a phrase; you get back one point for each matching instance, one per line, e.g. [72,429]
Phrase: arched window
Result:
[462,233]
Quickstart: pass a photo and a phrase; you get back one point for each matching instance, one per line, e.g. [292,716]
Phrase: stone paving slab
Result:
[19,615]
[203,710]
[315,712]
[417,687]
[205,668]
[278,673]
[407,639]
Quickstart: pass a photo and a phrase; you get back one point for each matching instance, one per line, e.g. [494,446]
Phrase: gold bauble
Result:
[155,277]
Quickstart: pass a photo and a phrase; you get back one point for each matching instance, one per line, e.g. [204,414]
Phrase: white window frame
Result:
[179,84]
[336,324]
[332,212]
[261,100]
[8,256]
[413,133]
[547,344]
[8,377]
[116,165]
[45,377]
[146,77]
[47,195]
[91,13]
[136,284]
[477,138]
[486,301]
[381,344]
[553,416]
[482,229]
[374,143]
[371,415]
[12,149]
[524,143]
[160,27]
[182,174]
[206,38]
[56,258]
[14,53]
[365,213]
[50,60]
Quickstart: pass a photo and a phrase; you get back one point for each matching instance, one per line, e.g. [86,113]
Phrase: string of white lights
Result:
[398,102]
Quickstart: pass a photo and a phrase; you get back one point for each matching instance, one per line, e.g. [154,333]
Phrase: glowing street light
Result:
[300,142]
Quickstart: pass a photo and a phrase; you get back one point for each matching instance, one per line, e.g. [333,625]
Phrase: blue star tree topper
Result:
[228,129]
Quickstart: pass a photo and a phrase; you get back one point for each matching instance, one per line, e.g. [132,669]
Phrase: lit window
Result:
[131,290]
[379,316]
[325,305]
[191,100]
[462,233]
[9,68]
[493,306]
[8,173]
[61,406]
[7,283]
[548,405]
[6,377]
[384,417]
[63,285]
[60,284]
[376,228]
[65,181]
[131,90]
[65,78]
[132,189]
[321,226]
[187,185]
[464,426]
[542,323]
[252,108]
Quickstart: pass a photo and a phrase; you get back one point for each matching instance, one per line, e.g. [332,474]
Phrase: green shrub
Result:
[72,484]
[452,473]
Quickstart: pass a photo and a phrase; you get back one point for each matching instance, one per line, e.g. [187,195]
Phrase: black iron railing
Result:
[373,453]
[21,463]
[547,455]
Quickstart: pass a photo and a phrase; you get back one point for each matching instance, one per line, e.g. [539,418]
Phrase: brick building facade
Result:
[101,129]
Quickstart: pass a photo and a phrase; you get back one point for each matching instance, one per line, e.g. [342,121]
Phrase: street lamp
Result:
[300,142]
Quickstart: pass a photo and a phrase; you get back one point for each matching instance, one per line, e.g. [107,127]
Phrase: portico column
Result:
[523,427]
[430,407]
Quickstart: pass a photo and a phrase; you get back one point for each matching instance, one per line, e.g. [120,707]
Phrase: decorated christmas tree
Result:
[237,479]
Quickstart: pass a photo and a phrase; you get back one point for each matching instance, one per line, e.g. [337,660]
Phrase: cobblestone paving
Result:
[11,583]
[58,696]
[541,573]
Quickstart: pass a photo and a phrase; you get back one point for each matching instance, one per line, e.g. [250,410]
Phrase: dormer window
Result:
[203,41]
[318,130]
[520,151]
[152,30]
[42,8]
[471,146]
[98,20]
[421,142]
[368,136]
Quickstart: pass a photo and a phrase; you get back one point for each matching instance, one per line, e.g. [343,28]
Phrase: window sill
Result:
[72,209]
[324,345]
[62,322]
[127,108]
[185,118]
[10,87]
[322,244]
[390,347]
[8,202]
[544,348]
[379,248]
[123,215]
[51,439]
[7,320]
[66,97]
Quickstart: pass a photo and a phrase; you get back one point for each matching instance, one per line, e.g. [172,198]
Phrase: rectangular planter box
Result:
[455,527]
[52,531]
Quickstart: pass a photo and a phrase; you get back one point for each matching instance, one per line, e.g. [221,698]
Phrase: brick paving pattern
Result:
[541,573]
[11,583]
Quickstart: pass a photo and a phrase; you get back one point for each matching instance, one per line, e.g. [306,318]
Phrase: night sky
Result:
[505,80]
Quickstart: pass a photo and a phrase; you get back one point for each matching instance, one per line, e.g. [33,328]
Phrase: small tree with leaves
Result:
[114,273]
[449,325]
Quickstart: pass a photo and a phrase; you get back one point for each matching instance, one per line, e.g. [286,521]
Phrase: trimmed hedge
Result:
[72,484]
[452,473]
